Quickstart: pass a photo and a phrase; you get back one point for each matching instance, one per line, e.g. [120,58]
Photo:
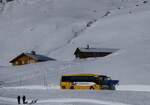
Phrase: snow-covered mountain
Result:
[49,25]
[55,28]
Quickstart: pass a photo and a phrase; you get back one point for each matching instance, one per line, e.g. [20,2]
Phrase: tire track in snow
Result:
[142,88]
[69,100]
[64,100]
[78,32]
[74,34]
[34,87]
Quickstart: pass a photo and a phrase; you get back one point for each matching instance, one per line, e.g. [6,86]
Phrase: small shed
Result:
[93,52]
[28,58]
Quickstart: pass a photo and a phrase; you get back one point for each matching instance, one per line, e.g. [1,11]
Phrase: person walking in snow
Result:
[24,100]
[18,99]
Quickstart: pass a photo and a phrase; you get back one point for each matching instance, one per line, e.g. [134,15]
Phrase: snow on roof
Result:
[38,57]
[97,49]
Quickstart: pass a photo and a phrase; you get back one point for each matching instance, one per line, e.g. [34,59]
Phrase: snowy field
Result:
[55,28]
[48,96]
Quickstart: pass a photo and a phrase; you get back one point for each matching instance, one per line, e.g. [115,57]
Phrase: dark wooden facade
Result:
[92,52]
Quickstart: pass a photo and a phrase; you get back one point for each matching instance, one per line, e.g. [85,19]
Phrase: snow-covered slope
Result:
[44,25]
[57,27]
[48,25]
[61,97]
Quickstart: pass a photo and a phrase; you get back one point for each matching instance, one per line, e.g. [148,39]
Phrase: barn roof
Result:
[36,57]
[96,49]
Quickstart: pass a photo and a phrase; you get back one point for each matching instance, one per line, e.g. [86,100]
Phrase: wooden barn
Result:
[93,52]
[28,58]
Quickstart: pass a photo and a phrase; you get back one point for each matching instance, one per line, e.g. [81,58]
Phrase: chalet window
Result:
[19,62]
[23,62]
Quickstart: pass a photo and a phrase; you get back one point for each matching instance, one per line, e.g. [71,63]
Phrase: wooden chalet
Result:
[93,52]
[28,58]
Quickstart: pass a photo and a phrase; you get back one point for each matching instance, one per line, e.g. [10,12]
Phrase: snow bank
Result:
[79,100]
[33,87]
[142,88]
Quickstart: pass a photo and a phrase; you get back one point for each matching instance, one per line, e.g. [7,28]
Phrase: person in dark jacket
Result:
[24,100]
[18,99]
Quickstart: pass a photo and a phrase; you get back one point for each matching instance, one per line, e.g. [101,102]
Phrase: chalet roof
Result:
[36,57]
[97,49]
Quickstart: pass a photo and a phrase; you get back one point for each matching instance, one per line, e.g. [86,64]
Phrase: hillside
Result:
[38,25]
[56,28]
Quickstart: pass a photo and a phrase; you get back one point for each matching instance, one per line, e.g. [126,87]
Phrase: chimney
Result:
[33,52]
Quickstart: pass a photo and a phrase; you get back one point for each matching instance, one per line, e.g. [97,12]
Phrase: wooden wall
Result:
[91,54]
[24,60]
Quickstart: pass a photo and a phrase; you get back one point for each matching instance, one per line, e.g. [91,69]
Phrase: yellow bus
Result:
[87,81]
